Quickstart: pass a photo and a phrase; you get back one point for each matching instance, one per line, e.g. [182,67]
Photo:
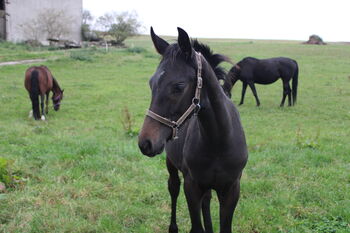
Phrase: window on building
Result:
[2,5]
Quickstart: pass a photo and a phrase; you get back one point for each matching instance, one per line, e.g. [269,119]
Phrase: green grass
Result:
[81,171]
[14,52]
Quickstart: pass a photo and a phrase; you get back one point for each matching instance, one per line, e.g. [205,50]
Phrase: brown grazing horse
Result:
[39,81]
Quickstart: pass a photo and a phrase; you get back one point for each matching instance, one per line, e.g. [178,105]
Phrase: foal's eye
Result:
[178,87]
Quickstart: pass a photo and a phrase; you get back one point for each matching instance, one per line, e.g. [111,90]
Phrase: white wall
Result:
[22,11]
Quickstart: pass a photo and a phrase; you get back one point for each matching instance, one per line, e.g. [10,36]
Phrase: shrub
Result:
[136,50]
[82,55]
[128,122]
[8,175]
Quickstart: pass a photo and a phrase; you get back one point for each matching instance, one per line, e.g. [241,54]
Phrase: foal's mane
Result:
[213,59]
[55,84]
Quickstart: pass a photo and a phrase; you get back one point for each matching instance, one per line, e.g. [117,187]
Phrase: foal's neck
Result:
[215,118]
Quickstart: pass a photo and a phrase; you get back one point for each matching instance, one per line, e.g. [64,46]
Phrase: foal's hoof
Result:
[43,118]
[173,229]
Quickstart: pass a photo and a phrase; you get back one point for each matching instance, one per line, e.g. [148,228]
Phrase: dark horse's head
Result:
[231,78]
[57,98]
[173,87]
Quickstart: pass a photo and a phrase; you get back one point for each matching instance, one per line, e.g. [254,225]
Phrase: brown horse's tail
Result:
[34,93]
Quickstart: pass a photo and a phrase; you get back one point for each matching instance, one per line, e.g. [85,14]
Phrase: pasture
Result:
[82,171]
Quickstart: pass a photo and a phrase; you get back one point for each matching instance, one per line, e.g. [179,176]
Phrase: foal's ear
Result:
[159,43]
[184,42]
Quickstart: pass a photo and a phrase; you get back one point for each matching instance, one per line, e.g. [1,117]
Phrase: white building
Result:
[16,16]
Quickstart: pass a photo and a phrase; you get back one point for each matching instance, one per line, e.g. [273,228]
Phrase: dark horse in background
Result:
[199,127]
[265,71]
[39,82]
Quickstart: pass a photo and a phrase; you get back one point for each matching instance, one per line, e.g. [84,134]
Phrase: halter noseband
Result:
[194,107]
[57,98]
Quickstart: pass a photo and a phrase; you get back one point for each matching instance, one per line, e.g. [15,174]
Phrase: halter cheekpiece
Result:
[194,107]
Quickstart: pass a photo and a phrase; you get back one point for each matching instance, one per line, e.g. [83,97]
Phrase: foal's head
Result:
[173,88]
[56,99]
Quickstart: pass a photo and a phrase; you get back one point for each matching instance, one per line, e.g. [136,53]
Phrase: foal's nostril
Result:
[145,147]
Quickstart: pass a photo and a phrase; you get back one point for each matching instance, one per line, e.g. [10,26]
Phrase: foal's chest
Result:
[210,171]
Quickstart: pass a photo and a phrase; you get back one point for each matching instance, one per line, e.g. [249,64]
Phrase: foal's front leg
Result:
[174,188]
[194,196]
[206,212]
[228,201]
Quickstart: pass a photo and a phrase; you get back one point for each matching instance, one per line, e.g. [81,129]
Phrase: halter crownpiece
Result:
[194,107]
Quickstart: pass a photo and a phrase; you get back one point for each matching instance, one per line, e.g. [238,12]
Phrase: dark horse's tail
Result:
[34,93]
[295,83]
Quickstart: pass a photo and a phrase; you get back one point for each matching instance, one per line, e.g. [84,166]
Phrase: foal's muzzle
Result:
[147,148]
[152,137]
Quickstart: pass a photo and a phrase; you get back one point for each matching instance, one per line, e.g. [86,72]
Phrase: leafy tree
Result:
[119,25]
[86,31]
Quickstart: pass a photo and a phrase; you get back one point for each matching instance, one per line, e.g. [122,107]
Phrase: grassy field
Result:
[81,170]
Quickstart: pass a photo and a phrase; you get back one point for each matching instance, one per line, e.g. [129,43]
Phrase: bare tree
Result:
[87,17]
[55,23]
[32,29]
[51,23]
[105,22]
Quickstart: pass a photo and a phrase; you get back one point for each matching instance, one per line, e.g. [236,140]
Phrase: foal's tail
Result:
[295,83]
[34,93]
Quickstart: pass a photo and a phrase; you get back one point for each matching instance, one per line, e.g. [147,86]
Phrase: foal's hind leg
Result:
[42,98]
[206,212]
[286,91]
[174,188]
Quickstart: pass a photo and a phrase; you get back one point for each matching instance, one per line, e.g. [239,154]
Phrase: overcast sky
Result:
[251,19]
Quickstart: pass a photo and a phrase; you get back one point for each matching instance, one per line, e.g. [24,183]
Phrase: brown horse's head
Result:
[173,87]
[56,99]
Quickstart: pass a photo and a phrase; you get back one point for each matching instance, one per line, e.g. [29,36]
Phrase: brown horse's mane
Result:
[56,86]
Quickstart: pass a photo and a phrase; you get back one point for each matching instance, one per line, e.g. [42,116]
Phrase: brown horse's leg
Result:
[42,98]
[194,195]
[206,212]
[47,102]
[174,189]
[228,201]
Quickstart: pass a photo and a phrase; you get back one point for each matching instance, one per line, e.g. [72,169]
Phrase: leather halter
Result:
[58,99]
[194,107]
